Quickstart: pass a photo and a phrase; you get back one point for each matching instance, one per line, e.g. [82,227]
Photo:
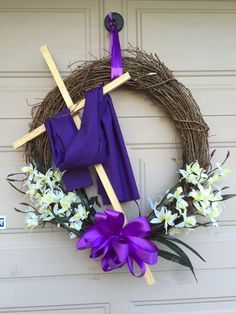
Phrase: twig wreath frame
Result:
[148,75]
[195,194]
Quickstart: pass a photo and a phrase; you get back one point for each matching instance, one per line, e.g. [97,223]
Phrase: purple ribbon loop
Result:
[117,245]
[115,50]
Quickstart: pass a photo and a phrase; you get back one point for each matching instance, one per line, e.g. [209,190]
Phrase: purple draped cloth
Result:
[99,140]
[117,245]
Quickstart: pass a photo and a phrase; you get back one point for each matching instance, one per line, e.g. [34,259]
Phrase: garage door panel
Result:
[25,29]
[186,35]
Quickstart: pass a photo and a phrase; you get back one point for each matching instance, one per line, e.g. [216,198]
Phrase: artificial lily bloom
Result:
[57,176]
[47,199]
[46,214]
[81,212]
[188,221]
[31,220]
[178,193]
[194,173]
[33,189]
[77,224]
[164,215]
[213,212]
[60,212]
[218,174]
[48,179]
[181,204]
[76,221]
[201,207]
[67,200]
[205,194]
[28,169]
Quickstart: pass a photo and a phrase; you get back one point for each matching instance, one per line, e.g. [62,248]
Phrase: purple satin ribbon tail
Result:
[115,50]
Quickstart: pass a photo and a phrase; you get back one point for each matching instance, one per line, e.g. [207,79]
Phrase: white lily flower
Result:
[218,174]
[57,175]
[31,220]
[77,224]
[47,215]
[49,178]
[178,193]
[181,204]
[164,215]
[188,221]
[213,212]
[213,179]
[204,198]
[67,200]
[194,173]
[222,171]
[31,190]
[205,194]
[81,212]
[47,199]
[201,207]
[28,169]
[58,211]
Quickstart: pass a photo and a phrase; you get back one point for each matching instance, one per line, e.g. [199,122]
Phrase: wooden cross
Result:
[74,108]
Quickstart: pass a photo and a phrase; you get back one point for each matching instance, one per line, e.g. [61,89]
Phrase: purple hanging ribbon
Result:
[115,50]
[118,245]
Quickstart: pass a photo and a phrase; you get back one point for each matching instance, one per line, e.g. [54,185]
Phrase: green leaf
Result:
[174,258]
[14,187]
[212,153]
[21,211]
[228,196]
[177,250]
[171,238]
[15,174]
[227,156]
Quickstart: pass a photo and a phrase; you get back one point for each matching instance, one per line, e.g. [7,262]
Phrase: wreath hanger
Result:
[74,108]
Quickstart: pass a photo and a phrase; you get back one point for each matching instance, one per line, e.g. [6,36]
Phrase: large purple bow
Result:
[118,245]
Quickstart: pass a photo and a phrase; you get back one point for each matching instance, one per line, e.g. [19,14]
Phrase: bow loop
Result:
[110,222]
[137,227]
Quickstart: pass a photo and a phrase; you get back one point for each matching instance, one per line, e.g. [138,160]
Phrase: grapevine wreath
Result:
[195,200]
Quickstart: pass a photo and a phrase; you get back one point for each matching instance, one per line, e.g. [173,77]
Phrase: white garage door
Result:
[40,271]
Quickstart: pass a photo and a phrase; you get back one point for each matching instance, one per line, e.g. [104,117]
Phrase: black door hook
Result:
[117,20]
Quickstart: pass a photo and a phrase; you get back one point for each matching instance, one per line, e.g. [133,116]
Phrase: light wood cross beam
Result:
[74,108]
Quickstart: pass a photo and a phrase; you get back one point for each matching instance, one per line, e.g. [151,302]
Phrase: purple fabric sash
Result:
[99,140]
[118,245]
[115,50]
